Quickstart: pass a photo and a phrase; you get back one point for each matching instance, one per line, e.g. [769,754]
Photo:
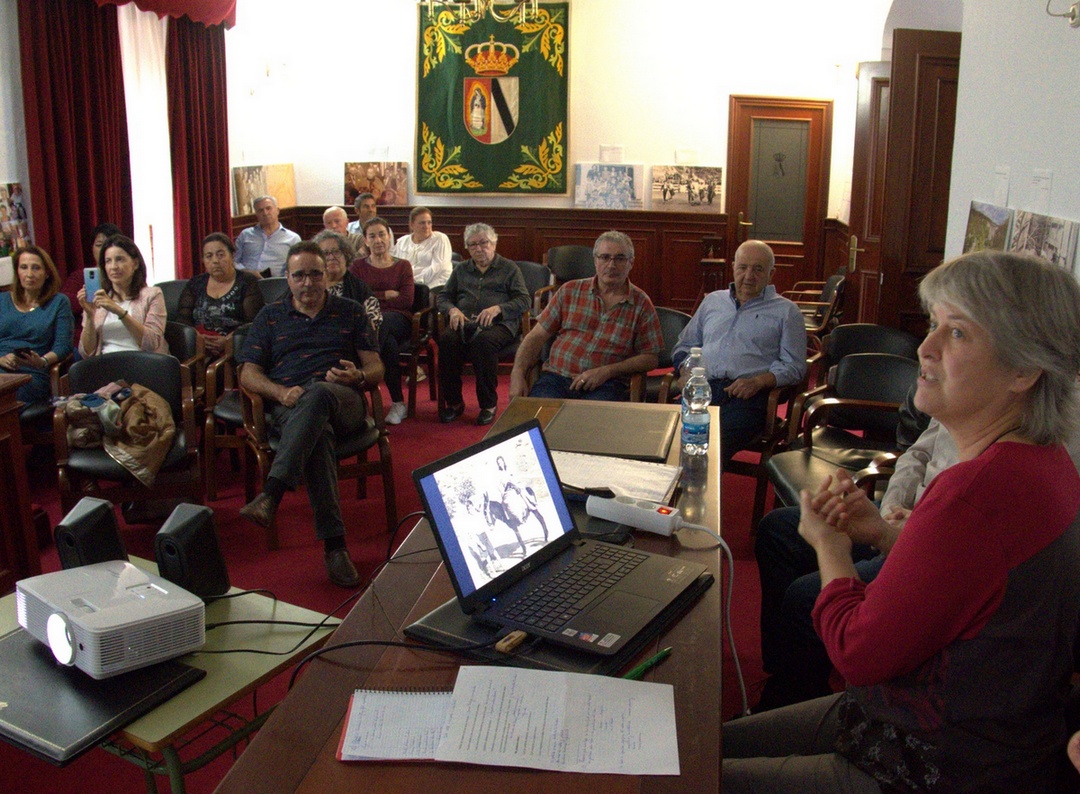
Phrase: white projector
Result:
[110,617]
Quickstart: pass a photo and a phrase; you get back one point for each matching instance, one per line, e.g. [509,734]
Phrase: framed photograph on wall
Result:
[387,182]
[252,181]
[686,188]
[609,186]
[989,227]
[1054,239]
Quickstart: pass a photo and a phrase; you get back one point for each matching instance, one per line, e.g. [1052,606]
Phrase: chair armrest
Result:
[543,295]
[869,479]
[187,398]
[56,371]
[664,395]
[61,451]
[637,387]
[374,395]
[219,364]
[798,408]
[818,413]
[254,412]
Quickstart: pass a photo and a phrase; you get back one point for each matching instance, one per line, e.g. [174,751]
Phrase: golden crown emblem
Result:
[491,57]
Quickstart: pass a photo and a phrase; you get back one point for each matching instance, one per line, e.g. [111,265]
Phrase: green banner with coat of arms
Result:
[491,114]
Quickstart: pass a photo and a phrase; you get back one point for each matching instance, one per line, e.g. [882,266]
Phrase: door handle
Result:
[853,252]
[744,227]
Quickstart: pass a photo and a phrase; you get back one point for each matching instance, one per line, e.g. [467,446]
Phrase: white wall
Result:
[651,81]
[1018,106]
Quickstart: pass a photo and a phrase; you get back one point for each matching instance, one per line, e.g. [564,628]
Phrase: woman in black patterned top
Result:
[338,253]
[223,298]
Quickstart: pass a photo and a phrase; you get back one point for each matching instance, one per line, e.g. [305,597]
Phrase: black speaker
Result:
[187,552]
[89,534]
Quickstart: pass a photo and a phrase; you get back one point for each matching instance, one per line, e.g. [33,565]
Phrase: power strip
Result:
[636,513]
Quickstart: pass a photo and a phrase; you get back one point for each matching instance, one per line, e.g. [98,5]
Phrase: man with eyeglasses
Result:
[309,355]
[751,340]
[602,331]
[483,300]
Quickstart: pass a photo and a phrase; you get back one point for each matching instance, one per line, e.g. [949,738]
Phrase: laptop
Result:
[517,560]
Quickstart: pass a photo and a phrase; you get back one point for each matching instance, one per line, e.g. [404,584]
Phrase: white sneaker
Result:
[397,412]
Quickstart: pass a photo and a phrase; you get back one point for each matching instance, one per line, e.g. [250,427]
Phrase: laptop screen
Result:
[494,505]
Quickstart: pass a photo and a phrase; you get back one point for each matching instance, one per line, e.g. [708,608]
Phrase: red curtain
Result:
[209,12]
[199,133]
[76,124]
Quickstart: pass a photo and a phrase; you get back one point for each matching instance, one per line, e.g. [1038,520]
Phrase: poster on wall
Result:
[252,181]
[14,222]
[989,227]
[1054,239]
[492,103]
[609,186]
[387,182]
[686,188]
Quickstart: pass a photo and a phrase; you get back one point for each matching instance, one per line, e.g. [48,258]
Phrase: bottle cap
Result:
[698,371]
[695,351]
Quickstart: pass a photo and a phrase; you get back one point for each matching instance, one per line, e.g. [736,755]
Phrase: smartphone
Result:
[92,278]
[23,352]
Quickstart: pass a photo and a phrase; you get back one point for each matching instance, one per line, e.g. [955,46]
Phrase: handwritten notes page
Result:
[504,716]
[395,726]
[563,721]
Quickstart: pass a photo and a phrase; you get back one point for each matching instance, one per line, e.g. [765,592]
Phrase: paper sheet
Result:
[562,721]
[394,725]
[654,482]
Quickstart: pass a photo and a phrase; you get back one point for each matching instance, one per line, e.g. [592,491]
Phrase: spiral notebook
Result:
[404,725]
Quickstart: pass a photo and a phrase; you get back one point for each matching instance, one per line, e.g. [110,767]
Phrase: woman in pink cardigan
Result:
[126,313]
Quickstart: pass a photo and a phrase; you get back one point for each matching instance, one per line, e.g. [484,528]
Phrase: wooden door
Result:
[778,181]
[868,191]
[922,118]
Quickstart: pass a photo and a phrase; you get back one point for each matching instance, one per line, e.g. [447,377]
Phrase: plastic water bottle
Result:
[691,361]
[696,396]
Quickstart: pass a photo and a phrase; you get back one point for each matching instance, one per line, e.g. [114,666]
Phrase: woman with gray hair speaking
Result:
[958,656]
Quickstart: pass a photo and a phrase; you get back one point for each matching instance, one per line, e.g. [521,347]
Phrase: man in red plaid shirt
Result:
[602,331]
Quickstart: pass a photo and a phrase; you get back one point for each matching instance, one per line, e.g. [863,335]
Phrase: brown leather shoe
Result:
[261,510]
[341,569]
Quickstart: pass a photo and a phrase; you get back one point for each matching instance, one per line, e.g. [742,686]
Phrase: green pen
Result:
[647,665]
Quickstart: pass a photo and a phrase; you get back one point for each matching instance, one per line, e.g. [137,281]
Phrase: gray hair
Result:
[360,198]
[619,239]
[1031,310]
[343,243]
[330,210]
[263,198]
[479,228]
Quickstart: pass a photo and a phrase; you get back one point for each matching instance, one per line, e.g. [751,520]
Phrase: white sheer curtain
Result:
[142,50]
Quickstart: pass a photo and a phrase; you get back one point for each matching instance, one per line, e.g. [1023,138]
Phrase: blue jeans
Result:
[741,421]
[551,385]
[791,651]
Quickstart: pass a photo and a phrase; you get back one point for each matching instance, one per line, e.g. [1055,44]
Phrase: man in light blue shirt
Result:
[263,249]
[751,340]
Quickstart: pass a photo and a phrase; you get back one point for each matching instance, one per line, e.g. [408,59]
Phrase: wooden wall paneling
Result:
[667,245]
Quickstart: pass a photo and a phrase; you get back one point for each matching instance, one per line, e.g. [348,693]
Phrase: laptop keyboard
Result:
[561,597]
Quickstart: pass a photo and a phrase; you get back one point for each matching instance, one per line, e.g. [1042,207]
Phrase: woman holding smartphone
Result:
[125,313]
[35,322]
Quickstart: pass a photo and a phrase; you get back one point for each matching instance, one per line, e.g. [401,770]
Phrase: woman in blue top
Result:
[35,322]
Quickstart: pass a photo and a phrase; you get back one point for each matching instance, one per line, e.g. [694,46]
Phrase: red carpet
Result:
[295,573]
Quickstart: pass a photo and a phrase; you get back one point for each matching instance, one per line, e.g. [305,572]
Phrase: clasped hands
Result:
[348,374]
[485,318]
[839,513]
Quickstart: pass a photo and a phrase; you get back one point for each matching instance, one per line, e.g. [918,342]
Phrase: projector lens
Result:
[61,639]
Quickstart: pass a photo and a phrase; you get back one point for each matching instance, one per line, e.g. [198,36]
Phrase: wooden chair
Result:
[172,290]
[273,288]
[188,345]
[565,263]
[352,452]
[35,419]
[849,422]
[821,304]
[421,345]
[224,423]
[660,388]
[81,471]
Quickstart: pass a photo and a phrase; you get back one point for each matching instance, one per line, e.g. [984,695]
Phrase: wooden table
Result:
[295,750]
[155,741]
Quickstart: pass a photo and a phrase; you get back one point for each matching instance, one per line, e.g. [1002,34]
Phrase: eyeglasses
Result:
[618,259]
[479,244]
[332,252]
[313,275]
